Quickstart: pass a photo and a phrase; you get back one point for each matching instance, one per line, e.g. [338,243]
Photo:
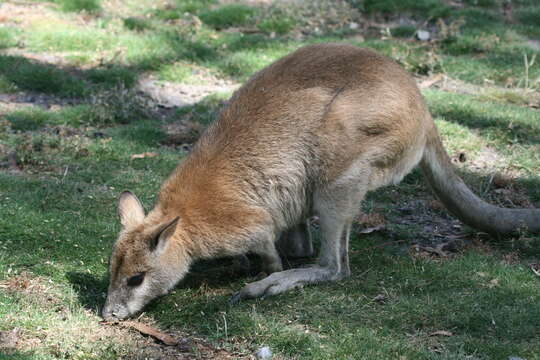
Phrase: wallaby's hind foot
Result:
[297,242]
[285,280]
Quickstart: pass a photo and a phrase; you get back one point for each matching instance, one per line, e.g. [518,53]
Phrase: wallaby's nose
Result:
[108,314]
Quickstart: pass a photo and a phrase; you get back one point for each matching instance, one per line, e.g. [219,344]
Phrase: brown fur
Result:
[310,134]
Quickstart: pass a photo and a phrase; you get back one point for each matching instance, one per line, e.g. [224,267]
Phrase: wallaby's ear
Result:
[164,232]
[130,209]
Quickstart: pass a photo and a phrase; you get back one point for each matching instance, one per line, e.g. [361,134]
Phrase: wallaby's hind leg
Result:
[336,210]
[296,243]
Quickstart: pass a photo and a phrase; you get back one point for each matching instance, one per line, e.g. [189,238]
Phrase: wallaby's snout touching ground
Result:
[308,135]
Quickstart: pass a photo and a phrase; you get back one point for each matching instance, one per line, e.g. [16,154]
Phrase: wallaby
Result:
[308,135]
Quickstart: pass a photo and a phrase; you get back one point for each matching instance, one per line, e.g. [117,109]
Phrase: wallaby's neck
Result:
[213,214]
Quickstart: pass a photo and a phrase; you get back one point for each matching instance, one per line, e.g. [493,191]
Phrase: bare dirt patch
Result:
[24,100]
[169,95]
[23,13]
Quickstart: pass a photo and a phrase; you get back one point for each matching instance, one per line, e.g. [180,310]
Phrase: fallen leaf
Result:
[150,331]
[144,155]
[145,330]
[493,283]
[441,333]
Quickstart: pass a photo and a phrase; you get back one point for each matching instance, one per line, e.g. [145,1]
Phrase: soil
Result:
[174,95]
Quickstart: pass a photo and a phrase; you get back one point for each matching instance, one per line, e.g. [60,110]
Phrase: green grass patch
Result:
[181,7]
[137,24]
[8,37]
[27,75]
[228,15]
[91,6]
[205,111]
[484,3]
[529,15]
[428,8]
[404,31]
[471,123]
[177,73]
[68,37]
[29,119]
[116,106]
[278,23]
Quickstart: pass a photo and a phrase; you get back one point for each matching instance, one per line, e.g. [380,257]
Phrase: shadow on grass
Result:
[68,82]
[90,289]
[500,123]
[507,130]
[17,355]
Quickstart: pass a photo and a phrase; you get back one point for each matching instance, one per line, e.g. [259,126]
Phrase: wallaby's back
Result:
[307,119]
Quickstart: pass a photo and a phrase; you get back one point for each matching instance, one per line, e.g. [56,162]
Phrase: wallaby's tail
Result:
[465,205]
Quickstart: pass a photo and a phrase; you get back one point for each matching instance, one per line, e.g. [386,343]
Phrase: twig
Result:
[65,173]
[488,185]
[147,330]
[528,64]
[225,325]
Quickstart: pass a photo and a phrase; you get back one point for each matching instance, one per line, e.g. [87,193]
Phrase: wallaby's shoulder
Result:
[325,65]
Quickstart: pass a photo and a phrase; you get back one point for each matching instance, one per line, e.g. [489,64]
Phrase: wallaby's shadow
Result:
[219,272]
[91,290]
[223,271]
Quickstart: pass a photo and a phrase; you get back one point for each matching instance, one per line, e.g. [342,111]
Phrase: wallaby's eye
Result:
[136,280]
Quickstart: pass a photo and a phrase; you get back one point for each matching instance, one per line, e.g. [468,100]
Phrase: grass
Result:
[431,8]
[90,6]
[228,15]
[72,127]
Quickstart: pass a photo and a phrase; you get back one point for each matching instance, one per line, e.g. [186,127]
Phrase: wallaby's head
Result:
[146,261]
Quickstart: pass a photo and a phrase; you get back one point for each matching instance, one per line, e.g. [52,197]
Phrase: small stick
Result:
[150,331]
[146,330]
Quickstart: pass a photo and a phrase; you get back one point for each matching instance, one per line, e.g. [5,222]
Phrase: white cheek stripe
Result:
[136,301]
